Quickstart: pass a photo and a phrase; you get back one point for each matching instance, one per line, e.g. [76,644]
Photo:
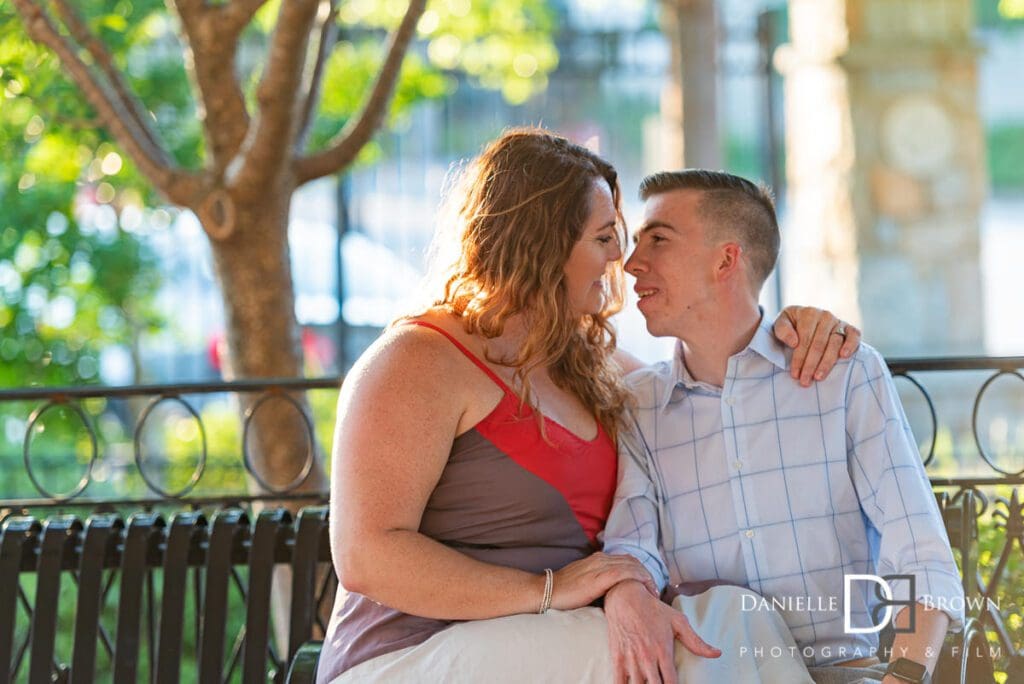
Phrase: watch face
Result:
[909,670]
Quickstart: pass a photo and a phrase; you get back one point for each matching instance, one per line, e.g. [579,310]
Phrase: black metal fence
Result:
[27,409]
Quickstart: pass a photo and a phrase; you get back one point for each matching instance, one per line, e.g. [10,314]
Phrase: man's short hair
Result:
[732,207]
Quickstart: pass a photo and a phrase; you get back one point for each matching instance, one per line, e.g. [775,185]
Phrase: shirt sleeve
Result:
[895,494]
[633,525]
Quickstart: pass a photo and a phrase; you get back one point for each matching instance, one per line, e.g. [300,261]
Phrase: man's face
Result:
[673,264]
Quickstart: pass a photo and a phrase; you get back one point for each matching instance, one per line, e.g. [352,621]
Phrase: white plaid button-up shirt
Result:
[785,490]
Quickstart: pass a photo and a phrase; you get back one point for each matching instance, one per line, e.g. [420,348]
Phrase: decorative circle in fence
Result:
[27,448]
[197,473]
[931,412]
[307,466]
[986,454]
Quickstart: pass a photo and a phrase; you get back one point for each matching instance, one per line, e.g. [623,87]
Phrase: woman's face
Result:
[597,247]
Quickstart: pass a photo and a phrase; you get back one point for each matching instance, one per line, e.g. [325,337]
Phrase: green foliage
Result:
[72,284]
[742,157]
[992,541]
[67,291]
[323,405]
[501,44]
[1011,9]
[999,14]
[1005,151]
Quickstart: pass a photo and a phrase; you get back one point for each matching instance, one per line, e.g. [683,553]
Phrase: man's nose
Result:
[634,263]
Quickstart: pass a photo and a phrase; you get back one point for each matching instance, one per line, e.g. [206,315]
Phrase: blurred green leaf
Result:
[1012,9]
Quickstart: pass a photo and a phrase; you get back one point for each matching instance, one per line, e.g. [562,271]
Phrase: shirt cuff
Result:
[653,563]
[934,589]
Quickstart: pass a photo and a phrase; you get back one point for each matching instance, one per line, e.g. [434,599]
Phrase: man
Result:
[737,474]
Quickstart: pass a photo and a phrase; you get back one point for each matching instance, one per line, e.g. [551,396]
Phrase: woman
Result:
[474,458]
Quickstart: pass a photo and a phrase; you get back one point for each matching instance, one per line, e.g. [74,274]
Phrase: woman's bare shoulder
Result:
[414,355]
[627,362]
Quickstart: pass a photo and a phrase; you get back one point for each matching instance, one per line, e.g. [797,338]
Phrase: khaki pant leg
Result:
[742,636]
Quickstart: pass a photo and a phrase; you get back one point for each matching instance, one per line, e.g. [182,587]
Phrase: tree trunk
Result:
[264,341]
[254,269]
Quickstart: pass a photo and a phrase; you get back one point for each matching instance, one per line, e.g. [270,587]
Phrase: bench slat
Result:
[269,526]
[138,539]
[312,521]
[227,525]
[172,614]
[58,534]
[100,531]
[17,532]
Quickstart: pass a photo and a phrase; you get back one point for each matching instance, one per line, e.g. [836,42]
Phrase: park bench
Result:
[145,561]
[965,657]
[132,590]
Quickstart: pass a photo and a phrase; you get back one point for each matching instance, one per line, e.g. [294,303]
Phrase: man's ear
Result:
[728,260]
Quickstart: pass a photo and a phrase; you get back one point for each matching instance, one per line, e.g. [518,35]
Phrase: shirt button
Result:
[738,464]
[729,400]
[749,533]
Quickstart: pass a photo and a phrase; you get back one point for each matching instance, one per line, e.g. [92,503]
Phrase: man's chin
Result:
[656,330]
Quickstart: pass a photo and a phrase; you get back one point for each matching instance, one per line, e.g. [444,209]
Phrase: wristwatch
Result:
[907,670]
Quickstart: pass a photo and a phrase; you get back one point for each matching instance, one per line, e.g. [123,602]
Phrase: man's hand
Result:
[812,334]
[642,632]
[582,582]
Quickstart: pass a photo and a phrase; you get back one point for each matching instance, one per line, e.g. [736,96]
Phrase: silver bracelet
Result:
[549,589]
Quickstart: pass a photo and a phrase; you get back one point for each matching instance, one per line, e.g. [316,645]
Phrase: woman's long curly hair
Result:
[520,208]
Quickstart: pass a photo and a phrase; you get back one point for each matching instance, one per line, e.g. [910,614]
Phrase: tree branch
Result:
[153,161]
[328,38]
[210,64]
[358,131]
[195,9]
[270,138]
[236,14]
[103,59]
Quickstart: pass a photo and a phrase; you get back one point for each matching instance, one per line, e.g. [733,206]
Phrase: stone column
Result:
[886,170]
[686,133]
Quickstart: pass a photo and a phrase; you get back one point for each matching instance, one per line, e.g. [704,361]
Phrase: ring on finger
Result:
[840,329]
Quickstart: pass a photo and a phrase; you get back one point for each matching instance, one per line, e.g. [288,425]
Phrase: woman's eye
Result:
[606,239]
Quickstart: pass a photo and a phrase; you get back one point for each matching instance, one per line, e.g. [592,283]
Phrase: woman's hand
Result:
[582,582]
[815,336]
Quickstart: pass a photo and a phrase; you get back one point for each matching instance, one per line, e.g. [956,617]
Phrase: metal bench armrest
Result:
[303,668]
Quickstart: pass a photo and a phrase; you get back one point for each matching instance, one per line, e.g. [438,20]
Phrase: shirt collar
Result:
[764,343]
[768,346]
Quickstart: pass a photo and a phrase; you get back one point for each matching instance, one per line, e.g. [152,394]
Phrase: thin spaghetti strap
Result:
[470,355]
